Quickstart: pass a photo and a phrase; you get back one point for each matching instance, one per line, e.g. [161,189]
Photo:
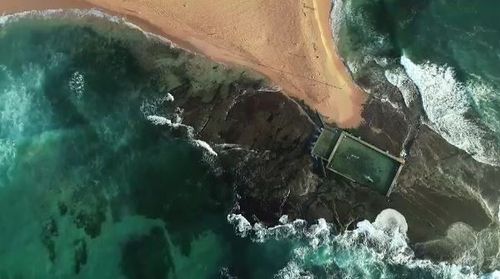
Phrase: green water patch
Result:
[326,142]
[357,160]
[90,187]
[363,164]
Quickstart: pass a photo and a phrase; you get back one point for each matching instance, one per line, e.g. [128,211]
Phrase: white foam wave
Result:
[398,77]
[61,13]
[159,120]
[345,13]
[390,220]
[293,271]
[205,146]
[77,84]
[21,105]
[241,224]
[337,17]
[169,98]
[372,250]
[82,14]
[153,106]
[447,104]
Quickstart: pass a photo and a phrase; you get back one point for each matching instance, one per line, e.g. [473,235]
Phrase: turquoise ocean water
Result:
[95,183]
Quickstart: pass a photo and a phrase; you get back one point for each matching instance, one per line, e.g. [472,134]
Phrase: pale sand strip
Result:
[288,41]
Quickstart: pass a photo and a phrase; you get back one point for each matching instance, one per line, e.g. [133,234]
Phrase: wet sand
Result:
[290,42]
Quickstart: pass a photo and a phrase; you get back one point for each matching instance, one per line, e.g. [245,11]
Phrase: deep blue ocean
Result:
[94,183]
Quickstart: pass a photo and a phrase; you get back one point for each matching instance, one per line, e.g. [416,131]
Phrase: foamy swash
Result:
[372,250]
[449,106]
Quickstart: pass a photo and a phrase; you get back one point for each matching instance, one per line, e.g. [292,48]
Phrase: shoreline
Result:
[430,206]
[298,55]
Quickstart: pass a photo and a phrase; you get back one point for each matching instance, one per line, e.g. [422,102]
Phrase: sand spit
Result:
[290,42]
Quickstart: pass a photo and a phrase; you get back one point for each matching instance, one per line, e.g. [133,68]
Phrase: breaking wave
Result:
[21,108]
[205,146]
[376,249]
[448,104]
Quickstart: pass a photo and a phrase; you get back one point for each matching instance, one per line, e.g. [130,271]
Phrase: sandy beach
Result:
[288,41]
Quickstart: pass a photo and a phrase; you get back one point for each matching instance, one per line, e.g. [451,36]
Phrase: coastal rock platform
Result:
[263,139]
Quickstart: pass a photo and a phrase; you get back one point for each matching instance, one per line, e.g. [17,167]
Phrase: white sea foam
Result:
[368,251]
[398,77]
[77,84]
[337,17]
[241,224]
[153,106]
[391,222]
[82,14]
[493,275]
[205,146]
[21,105]
[447,103]
[62,13]
[293,271]
[169,98]
[159,120]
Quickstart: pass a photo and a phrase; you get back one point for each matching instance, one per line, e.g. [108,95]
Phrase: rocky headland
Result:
[264,139]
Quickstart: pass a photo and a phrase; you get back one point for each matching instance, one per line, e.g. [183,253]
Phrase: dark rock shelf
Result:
[264,141]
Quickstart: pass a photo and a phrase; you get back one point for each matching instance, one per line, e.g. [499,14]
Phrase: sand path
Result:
[288,41]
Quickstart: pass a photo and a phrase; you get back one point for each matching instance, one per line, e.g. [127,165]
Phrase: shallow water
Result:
[97,182]
[90,186]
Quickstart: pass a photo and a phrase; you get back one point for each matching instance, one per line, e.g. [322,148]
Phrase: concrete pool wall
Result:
[357,160]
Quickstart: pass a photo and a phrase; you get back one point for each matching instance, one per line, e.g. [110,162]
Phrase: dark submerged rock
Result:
[80,254]
[146,257]
[49,233]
